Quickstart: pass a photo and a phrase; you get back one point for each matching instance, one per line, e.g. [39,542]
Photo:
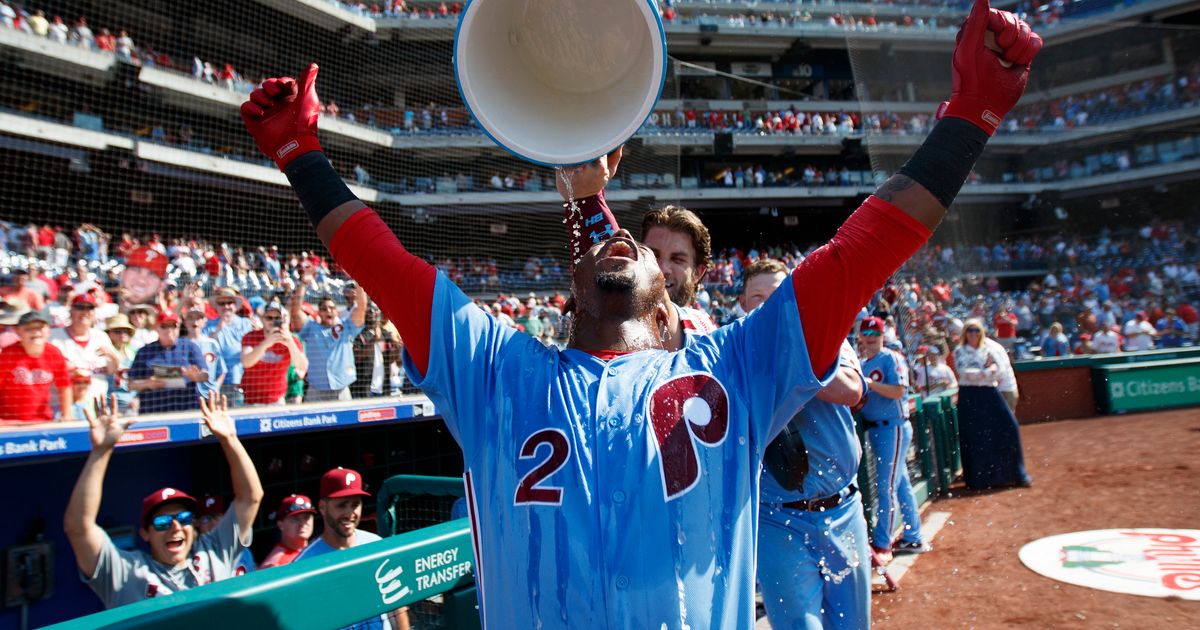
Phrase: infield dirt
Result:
[1109,472]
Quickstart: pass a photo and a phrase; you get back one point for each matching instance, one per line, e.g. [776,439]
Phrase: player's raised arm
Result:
[282,116]
[835,281]
[586,214]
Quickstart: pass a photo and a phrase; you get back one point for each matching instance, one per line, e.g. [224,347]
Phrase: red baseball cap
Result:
[84,298]
[871,324]
[294,504]
[147,258]
[166,495]
[168,317]
[342,482]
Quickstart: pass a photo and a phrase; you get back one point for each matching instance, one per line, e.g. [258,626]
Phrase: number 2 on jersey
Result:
[528,491]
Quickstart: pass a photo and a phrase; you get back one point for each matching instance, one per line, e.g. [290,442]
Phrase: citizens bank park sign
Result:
[1147,562]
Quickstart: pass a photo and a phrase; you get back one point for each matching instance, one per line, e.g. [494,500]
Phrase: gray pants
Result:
[326,395]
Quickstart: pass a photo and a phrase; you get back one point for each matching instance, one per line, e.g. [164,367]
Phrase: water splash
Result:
[574,213]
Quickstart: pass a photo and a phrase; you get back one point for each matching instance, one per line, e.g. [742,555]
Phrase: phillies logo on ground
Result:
[685,410]
[1147,562]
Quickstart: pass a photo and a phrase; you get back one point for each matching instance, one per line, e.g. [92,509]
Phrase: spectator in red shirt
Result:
[1005,324]
[28,369]
[266,355]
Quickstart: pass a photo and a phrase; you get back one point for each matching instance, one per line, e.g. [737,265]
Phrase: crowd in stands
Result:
[1111,292]
[80,34]
[161,321]
[1041,13]
[1132,99]
[402,10]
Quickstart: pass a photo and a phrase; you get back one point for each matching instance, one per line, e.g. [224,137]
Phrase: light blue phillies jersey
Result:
[330,352]
[618,493]
[826,432]
[888,368]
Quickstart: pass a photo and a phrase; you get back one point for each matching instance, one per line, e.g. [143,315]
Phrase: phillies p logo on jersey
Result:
[685,410]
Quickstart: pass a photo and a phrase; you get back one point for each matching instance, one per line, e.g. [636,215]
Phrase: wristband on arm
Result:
[589,221]
[946,158]
[318,186]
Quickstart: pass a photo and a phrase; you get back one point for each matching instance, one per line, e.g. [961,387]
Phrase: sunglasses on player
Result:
[162,522]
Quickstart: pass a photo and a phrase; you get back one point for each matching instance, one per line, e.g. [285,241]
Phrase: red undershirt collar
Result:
[607,355]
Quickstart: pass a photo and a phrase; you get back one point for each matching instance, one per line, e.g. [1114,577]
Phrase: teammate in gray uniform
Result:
[178,559]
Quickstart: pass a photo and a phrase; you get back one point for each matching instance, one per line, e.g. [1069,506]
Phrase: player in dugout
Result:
[651,457]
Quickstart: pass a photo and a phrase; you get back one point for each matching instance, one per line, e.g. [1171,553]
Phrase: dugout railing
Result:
[429,571]
[425,564]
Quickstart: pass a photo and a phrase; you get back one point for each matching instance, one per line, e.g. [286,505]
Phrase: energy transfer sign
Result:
[1148,562]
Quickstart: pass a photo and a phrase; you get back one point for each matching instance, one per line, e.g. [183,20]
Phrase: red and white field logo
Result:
[1149,562]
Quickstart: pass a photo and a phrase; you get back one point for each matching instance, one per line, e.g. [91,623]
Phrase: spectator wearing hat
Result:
[194,322]
[1108,340]
[179,557]
[340,508]
[266,355]
[295,521]
[19,287]
[328,343]
[88,350]
[1172,330]
[120,332]
[1085,345]
[11,310]
[1139,333]
[143,276]
[28,370]
[228,330]
[142,318]
[165,373]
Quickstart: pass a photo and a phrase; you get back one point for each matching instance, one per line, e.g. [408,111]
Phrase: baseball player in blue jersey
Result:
[678,238]
[890,435]
[614,483]
[813,555]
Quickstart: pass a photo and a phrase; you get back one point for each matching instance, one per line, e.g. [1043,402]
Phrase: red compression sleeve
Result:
[399,282]
[588,223]
[834,283]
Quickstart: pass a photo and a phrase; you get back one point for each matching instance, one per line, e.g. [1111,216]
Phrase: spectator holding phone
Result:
[266,355]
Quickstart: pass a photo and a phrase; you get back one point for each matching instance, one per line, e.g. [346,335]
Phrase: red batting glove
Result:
[984,89]
[282,116]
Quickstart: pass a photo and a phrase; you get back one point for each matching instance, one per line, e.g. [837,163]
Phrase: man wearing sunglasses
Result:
[179,558]
[890,435]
